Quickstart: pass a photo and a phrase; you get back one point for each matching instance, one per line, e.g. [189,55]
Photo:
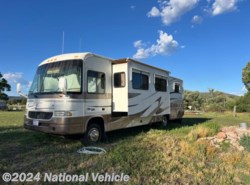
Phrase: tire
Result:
[179,116]
[165,121]
[93,135]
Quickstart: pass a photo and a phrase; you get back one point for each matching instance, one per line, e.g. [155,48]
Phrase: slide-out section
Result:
[120,90]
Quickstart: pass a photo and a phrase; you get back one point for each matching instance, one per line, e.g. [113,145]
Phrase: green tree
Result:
[209,101]
[243,103]
[246,76]
[24,101]
[4,86]
[215,101]
[193,99]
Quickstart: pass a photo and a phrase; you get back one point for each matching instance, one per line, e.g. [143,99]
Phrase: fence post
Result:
[235,112]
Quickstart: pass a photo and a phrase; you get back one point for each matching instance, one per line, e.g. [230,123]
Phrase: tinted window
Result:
[139,81]
[119,79]
[176,88]
[160,84]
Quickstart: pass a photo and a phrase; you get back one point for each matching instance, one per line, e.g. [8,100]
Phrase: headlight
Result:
[62,113]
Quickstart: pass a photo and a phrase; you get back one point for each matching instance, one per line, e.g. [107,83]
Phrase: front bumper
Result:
[59,126]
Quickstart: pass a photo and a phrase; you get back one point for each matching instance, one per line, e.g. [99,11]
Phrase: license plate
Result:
[35,122]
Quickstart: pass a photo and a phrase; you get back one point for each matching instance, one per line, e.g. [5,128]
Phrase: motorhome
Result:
[84,93]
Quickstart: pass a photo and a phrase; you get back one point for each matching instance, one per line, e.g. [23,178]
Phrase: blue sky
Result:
[204,42]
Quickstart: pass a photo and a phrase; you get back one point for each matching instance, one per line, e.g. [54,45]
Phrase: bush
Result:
[243,104]
[213,126]
[199,132]
[245,142]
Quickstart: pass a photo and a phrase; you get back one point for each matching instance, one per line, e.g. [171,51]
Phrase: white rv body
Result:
[176,98]
[114,94]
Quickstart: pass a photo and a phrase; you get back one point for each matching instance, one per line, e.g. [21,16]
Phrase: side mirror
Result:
[62,85]
[18,88]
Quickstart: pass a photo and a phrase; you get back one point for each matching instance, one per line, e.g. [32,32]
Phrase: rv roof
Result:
[70,56]
[85,55]
[178,79]
[126,60]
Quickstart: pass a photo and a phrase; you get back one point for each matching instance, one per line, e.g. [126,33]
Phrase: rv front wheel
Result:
[93,134]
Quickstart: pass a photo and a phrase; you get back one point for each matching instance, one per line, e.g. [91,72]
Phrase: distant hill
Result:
[210,101]
[219,92]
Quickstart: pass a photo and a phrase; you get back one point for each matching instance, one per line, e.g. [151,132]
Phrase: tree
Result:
[246,76]
[4,86]
[217,102]
[193,99]
[243,103]
[209,101]
[24,101]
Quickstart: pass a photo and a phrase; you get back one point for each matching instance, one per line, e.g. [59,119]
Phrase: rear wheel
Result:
[179,116]
[93,134]
[165,121]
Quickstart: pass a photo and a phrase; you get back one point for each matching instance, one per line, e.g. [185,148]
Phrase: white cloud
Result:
[172,10]
[242,92]
[138,44]
[154,12]
[197,19]
[222,6]
[165,45]
[244,89]
[141,53]
[132,7]
[16,77]
[13,77]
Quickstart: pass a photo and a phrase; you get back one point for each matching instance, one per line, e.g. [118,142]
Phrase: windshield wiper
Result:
[56,92]
[32,93]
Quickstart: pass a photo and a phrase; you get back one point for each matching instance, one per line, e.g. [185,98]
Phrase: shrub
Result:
[245,142]
[200,132]
[213,126]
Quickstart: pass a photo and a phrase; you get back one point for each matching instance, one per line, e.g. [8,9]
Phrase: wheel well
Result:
[99,121]
[167,116]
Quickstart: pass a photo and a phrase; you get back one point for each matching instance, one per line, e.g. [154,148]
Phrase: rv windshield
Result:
[47,77]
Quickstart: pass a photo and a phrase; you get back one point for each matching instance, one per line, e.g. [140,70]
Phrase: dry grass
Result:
[156,156]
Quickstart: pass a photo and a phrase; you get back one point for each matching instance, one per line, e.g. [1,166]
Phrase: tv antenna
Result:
[63,42]
[80,44]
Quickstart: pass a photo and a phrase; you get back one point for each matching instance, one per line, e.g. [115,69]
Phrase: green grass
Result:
[245,142]
[156,155]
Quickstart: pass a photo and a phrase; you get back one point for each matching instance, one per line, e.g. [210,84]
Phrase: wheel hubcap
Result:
[94,135]
[164,121]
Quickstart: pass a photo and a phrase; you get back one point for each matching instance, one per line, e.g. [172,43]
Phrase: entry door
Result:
[120,89]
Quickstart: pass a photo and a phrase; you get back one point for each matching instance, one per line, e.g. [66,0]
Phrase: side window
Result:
[176,87]
[119,79]
[160,84]
[96,82]
[139,81]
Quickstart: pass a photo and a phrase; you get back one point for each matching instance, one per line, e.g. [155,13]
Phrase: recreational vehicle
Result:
[84,93]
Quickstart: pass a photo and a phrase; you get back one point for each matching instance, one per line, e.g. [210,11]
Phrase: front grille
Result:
[40,115]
